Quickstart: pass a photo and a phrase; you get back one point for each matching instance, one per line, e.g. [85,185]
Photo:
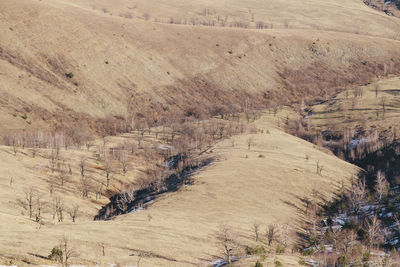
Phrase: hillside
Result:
[137,130]
[66,61]
[266,184]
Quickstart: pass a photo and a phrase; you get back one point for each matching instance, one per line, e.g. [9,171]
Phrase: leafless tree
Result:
[376,90]
[73,212]
[62,176]
[345,240]
[256,229]
[68,251]
[98,190]
[270,233]
[250,142]
[382,185]
[82,166]
[59,209]
[85,185]
[39,203]
[373,232]
[102,246]
[285,234]
[320,168]
[227,241]
[53,161]
[125,198]
[123,159]
[51,185]
[107,169]
[30,194]
[357,195]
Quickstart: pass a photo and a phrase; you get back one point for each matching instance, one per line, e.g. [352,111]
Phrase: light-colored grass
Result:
[368,111]
[179,229]
[175,65]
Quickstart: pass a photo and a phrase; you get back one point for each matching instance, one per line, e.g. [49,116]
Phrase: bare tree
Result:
[30,194]
[82,166]
[59,209]
[372,230]
[376,90]
[51,185]
[123,159]
[382,185]
[102,246]
[250,142]
[68,251]
[85,185]
[345,240]
[270,233]
[107,169]
[227,240]
[285,234]
[39,203]
[319,168]
[256,229]
[74,212]
[357,195]
[62,176]
[124,199]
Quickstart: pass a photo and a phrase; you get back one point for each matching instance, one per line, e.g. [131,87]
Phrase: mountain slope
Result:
[119,66]
[179,229]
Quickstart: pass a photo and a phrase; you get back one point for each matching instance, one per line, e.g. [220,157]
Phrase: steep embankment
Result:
[117,65]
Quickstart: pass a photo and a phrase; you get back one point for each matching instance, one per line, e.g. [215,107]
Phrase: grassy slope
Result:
[179,229]
[338,113]
[176,65]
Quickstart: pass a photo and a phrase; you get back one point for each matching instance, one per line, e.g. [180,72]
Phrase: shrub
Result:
[366,256]
[258,264]
[257,250]
[280,249]
[56,254]
[343,260]
[308,252]
[69,75]
[278,263]
[302,261]
[261,156]
[24,116]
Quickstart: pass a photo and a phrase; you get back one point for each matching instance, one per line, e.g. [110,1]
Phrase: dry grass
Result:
[179,229]
[178,66]
[347,111]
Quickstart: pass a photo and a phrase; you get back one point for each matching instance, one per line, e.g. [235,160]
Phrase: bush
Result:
[302,261]
[257,250]
[69,75]
[261,156]
[56,254]
[366,256]
[343,260]
[278,263]
[308,252]
[280,249]
[258,264]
